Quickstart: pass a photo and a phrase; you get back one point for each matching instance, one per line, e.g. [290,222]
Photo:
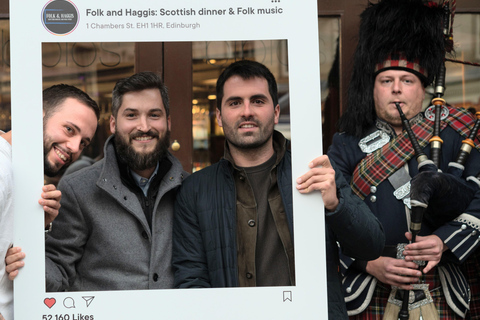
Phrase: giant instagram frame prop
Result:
[35,22]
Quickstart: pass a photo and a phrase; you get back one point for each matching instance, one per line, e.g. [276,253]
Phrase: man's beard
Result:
[52,171]
[142,161]
[244,142]
[48,169]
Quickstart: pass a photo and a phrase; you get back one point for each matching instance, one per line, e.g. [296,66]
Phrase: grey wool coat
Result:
[101,239]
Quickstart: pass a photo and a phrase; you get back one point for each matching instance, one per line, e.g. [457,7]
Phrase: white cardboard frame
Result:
[297,22]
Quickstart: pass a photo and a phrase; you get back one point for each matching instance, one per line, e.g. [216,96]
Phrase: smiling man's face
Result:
[66,133]
[142,129]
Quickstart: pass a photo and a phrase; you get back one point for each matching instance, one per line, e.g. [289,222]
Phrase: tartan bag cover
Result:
[380,164]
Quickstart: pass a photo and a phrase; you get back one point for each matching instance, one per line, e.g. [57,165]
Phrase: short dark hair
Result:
[247,69]
[138,82]
[54,96]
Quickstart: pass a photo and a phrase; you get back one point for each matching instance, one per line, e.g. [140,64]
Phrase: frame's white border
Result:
[298,24]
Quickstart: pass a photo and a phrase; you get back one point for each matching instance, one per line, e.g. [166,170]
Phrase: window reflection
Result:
[328,38]
[5,115]
[463,81]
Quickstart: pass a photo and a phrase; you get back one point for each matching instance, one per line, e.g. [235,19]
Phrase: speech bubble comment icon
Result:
[69,303]
[49,302]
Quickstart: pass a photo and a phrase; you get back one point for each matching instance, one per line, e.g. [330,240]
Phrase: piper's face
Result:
[397,86]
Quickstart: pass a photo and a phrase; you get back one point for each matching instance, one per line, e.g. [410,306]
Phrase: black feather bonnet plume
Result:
[410,32]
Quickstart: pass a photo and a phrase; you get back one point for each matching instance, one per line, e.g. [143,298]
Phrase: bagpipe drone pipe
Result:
[444,196]
[437,197]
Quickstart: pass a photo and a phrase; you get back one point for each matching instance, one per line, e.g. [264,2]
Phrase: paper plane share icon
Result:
[88,299]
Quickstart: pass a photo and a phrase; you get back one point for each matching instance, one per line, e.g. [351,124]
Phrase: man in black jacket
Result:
[233,222]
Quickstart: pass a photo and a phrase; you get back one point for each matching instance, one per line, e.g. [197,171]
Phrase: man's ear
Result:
[277,113]
[219,117]
[112,124]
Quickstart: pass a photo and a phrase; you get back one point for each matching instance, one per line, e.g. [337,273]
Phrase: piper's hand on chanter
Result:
[321,177]
[429,248]
[14,261]
[395,272]
[51,202]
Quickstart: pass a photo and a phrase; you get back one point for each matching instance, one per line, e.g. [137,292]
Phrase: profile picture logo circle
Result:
[60,17]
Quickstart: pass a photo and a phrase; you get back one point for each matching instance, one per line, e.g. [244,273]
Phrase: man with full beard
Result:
[114,228]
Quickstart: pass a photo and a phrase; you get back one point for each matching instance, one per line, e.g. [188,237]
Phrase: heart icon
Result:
[49,302]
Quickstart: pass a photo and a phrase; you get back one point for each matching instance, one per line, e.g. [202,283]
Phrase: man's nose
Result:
[247,109]
[74,144]
[397,86]
[143,124]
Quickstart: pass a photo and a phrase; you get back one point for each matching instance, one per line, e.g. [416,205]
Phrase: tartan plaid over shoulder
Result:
[383,162]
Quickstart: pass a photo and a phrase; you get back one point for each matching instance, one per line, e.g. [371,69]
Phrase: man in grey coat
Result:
[114,228]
